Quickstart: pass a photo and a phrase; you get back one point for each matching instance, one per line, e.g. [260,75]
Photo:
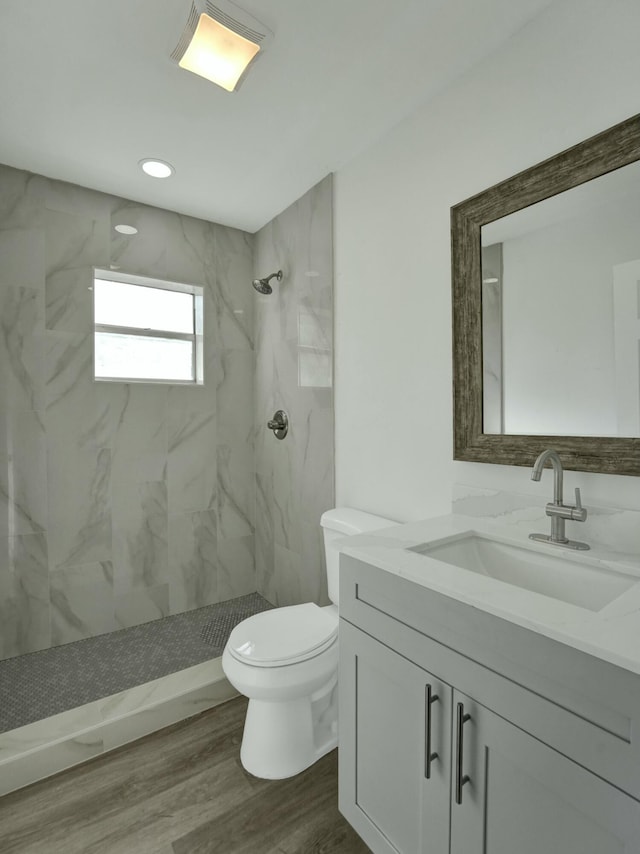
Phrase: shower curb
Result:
[39,750]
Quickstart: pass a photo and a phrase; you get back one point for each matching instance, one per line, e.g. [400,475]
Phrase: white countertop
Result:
[612,634]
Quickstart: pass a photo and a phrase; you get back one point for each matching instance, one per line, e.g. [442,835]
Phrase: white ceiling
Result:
[87,89]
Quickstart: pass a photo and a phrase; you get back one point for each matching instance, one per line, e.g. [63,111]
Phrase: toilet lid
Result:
[283,635]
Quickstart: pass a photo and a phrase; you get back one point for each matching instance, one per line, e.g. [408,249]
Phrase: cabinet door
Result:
[390,792]
[523,797]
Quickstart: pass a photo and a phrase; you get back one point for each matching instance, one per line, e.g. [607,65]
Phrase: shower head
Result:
[263,286]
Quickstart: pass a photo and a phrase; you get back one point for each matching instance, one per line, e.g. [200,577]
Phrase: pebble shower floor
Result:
[41,684]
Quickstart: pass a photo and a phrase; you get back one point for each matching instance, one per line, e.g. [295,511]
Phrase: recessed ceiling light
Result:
[125,229]
[156,168]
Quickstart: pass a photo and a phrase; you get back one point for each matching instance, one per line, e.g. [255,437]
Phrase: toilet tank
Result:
[339,523]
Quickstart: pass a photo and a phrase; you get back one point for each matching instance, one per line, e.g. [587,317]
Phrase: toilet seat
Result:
[283,636]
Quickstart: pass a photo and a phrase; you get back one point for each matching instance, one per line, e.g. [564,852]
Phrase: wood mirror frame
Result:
[609,150]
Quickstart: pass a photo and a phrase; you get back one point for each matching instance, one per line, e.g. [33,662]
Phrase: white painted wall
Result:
[570,73]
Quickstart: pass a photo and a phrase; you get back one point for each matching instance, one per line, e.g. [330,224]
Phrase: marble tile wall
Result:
[119,503]
[294,370]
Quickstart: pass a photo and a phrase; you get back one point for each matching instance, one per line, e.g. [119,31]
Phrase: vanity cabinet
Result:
[434,758]
[525,797]
[396,792]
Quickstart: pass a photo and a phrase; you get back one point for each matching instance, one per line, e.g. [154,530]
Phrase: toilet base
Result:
[282,738]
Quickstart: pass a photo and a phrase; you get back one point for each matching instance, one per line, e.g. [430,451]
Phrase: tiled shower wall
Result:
[294,359]
[119,503]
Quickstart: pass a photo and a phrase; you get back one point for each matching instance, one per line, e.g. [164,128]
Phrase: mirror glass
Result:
[561,313]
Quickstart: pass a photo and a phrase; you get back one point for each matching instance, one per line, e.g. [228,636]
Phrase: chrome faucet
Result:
[557,510]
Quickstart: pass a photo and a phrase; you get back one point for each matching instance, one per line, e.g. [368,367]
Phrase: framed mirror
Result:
[546,311]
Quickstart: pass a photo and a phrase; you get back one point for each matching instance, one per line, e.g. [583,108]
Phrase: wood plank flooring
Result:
[179,791]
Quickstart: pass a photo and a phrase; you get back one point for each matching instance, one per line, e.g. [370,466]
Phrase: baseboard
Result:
[38,750]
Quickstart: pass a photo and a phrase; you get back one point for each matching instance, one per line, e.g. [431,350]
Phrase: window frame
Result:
[197,337]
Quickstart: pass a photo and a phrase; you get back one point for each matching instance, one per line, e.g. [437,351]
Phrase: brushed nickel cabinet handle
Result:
[461,779]
[429,756]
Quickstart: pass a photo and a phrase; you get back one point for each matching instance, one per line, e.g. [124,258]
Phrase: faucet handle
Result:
[578,513]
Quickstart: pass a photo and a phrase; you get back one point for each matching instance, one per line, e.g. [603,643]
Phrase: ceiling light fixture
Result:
[125,229]
[156,168]
[219,42]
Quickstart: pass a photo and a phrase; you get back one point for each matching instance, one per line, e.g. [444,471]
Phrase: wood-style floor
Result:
[179,791]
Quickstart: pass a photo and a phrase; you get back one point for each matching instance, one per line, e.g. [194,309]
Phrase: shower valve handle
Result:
[279,424]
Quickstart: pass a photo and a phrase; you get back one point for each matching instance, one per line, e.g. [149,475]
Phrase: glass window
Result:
[147,330]
[120,304]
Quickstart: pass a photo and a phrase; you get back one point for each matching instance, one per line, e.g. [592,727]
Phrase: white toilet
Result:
[286,662]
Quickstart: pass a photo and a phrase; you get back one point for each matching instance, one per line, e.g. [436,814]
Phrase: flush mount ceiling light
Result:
[219,42]
[156,168]
[125,229]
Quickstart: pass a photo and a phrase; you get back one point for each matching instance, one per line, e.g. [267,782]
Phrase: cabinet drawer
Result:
[579,705]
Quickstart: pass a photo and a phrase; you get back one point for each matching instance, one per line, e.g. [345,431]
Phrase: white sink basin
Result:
[575,580]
